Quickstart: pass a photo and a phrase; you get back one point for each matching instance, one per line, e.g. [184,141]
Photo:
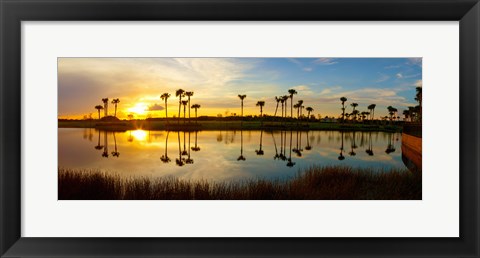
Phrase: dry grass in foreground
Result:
[317,183]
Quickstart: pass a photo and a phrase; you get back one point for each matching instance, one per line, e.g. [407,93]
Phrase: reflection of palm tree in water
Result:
[260,151]
[188,160]
[196,147]
[130,137]
[180,162]
[184,151]
[308,147]
[283,155]
[289,160]
[341,157]
[369,150]
[90,134]
[353,145]
[276,150]
[164,158]
[98,147]
[390,146]
[115,153]
[299,148]
[241,157]
[105,147]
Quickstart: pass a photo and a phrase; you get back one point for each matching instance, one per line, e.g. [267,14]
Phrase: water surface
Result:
[224,155]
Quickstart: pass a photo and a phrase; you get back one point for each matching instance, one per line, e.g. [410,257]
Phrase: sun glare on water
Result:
[139,135]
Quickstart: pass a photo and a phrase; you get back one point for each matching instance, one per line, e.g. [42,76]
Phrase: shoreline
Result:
[226,125]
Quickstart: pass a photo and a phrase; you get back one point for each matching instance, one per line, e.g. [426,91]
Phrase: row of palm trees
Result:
[281,100]
[355,112]
[180,93]
[105,107]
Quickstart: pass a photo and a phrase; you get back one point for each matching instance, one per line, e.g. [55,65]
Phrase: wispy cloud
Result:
[392,66]
[155,107]
[399,75]
[382,77]
[415,61]
[325,61]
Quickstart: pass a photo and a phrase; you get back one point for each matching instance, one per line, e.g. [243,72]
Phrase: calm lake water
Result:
[224,155]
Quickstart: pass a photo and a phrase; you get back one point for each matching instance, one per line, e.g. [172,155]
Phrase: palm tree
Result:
[184,103]
[309,110]
[391,111]
[300,106]
[164,158]
[165,97]
[105,106]
[285,99]
[115,102]
[98,107]
[364,115]
[291,92]
[406,113]
[196,107]
[277,99]
[354,105]
[371,107]
[242,97]
[179,93]
[289,160]
[341,157]
[261,104]
[343,100]
[297,107]
[189,94]
[418,97]
[105,147]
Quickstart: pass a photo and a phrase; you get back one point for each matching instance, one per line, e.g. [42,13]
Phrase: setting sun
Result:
[139,108]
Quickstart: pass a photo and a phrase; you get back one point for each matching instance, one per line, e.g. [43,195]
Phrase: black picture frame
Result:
[13,12]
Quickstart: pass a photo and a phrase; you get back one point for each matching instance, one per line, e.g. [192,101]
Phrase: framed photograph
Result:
[239,128]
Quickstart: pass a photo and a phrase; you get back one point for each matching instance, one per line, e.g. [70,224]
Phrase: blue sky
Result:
[216,82]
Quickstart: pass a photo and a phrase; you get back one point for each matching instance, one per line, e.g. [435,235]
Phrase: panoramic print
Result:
[240,128]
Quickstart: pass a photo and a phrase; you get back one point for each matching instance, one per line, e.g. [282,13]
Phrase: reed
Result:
[316,183]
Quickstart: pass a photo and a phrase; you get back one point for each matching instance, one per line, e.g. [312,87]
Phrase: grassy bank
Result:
[317,183]
[230,125]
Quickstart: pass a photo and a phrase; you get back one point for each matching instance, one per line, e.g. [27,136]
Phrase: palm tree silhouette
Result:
[105,106]
[300,107]
[165,97]
[164,158]
[184,151]
[391,112]
[184,103]
[189,94]
[260,151]
[241,157]
[309,110]
[115,153]
[261,104]
[298,150]
[277,99]
[354,105]
[179,93]
[99,147]
[180,161]
[343,100]
[418,97]
[242,97]
[291,92]
[196,107]
[115,102]
[371,107]
[341,157]
[99,107]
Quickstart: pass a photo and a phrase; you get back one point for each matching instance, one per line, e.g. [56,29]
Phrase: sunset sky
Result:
[216,82]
